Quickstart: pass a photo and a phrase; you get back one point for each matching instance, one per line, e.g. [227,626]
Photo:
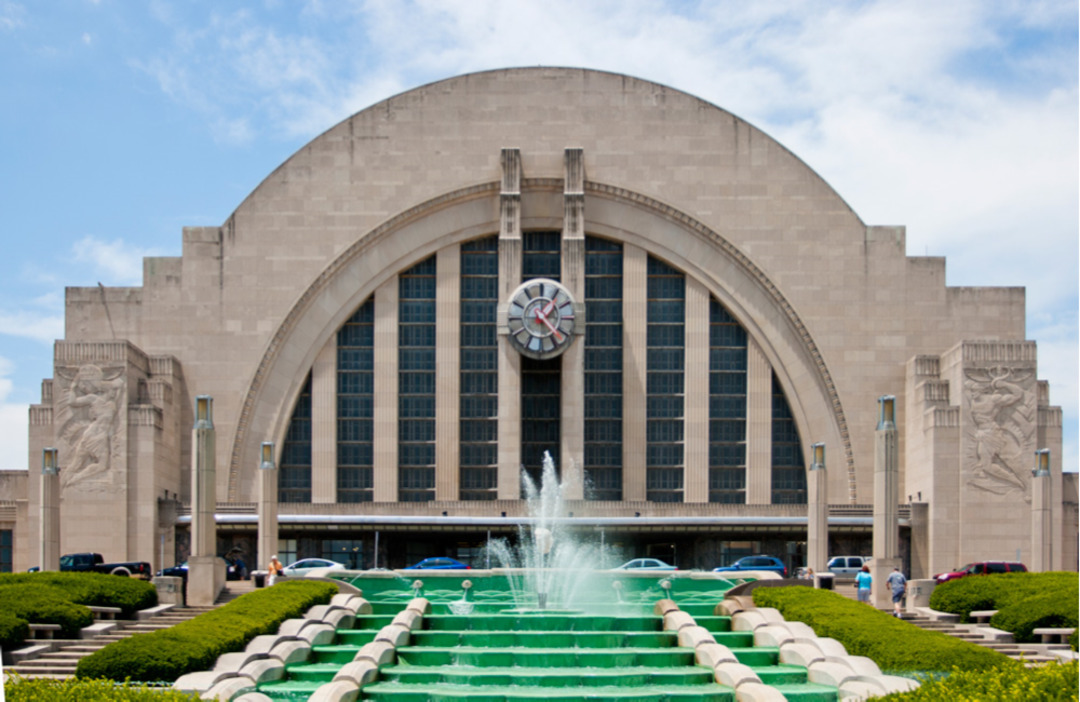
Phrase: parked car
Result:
[439,563]
[177,571]
[755,563]
[305,565]
[95,563]
[981,568]
[646,564]
[847,565]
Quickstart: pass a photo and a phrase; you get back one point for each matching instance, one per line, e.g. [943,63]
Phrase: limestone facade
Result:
[833,314]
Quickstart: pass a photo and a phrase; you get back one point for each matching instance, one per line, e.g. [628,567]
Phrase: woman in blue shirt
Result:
[862,582]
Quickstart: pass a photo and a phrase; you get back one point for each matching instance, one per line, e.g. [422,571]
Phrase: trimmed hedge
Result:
[864,631]
[92,589]
[13,631]
[42,690]
[1024,601]
[1047,683]
[196,644]
[46,605]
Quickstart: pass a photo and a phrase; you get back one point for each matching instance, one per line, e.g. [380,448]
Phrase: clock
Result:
[540,318]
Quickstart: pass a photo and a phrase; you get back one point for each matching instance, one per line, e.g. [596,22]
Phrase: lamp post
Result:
[1042,539]
[268,504]
[817,511]
[49,548]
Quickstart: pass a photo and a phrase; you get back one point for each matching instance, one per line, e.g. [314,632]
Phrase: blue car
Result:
[755,563]
[439,563]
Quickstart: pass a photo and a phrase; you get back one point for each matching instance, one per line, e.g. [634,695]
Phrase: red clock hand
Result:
[542,316]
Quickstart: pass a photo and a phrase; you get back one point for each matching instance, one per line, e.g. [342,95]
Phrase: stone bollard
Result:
[918,593]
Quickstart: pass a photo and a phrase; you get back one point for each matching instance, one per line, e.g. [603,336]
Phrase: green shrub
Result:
[46,605]
[13,631]
[92,589]
[1046,683]
[982,592]
[1049,609]
[864,631]
[196,644]
[22,690]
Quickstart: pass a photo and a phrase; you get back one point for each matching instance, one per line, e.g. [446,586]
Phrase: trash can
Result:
[823,581]
[259,577]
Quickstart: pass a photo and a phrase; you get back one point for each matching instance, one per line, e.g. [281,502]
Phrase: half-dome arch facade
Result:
[728,310]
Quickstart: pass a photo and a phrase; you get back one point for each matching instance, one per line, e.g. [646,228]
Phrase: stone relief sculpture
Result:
[1001,428]
[88,409]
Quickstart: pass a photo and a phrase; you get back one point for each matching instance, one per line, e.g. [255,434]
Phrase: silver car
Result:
[847,565]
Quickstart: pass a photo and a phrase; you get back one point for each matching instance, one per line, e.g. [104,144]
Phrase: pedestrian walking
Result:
[862,584]
[898,583]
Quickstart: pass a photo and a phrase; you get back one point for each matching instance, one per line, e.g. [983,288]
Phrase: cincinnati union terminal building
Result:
[424,299]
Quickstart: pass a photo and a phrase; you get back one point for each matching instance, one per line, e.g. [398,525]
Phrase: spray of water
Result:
[550,567]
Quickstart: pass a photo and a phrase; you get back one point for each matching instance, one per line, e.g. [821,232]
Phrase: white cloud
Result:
[32,325]
[115,262]
[13,423]
[12,15]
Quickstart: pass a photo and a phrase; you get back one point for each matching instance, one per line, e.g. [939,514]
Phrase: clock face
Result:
[540,318]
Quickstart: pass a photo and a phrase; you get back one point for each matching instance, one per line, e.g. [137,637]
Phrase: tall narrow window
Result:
[355,403]
[294,476]
[788,469]
[727,407]
[6,547]
[541,381]
[603,369]
[416,383]
[665,363]
[478,452]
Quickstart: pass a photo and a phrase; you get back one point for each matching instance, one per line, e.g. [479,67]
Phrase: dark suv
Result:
[981,568]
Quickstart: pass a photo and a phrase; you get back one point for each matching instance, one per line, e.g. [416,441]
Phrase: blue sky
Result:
[121,122]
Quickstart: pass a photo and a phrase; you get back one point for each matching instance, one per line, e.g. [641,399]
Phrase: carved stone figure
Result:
[88,414]
[1002,424]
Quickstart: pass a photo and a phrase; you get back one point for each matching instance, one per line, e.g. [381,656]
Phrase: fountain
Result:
[550,566]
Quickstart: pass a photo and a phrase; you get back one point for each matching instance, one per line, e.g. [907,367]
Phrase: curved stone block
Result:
[318,612]
[892,683]
[726,608]
[318,634]
[201,681]
[361,672]
[408,618]
[229,688]
[854,689]
[772,635]
[378,652]
[694,636]
[264,643]
[340,618]
[771,614]
[673,621]
[712,655]
[829,673]
[293,627]
[830,648]
[758,692]
[394,634]
[804,654]
[233,662]
[747,620]
[860,665]
[264,670]
[336,691]
[734,674]
[252,697]
[419,604]
[291,652]
[798,630]
[662,607]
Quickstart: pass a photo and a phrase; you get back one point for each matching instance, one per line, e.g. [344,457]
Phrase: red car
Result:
[981,568]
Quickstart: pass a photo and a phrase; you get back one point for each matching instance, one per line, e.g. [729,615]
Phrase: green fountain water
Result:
[548,627]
